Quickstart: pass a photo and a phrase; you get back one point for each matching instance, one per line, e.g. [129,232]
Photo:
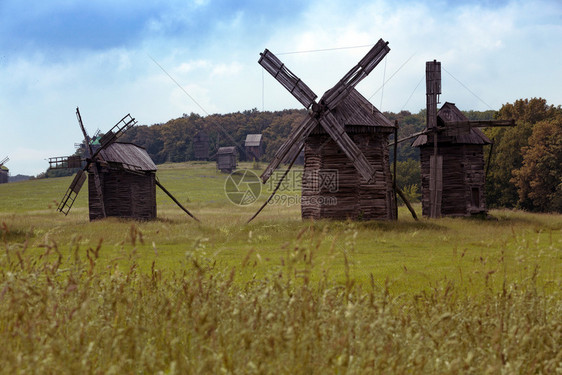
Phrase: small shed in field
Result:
[201,145]
[461,155]
[127,177]
[226,159]
[254,147]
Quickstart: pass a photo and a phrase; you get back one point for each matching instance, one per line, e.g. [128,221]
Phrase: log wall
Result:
[463,179]
[349,196]
[126,195]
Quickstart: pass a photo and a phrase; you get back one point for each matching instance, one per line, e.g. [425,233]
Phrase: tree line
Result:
[525,166]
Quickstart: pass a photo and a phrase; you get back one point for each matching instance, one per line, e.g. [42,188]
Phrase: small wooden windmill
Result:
[451,155]
[253,147]
[4,171]
[201,146]
[226,159]
[345,138]
[122,176]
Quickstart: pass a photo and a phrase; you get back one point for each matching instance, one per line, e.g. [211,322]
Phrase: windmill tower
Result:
[345,141]
[451,155]
[201,146]
[226,159]
[121,176]
[253,147]
[4,171]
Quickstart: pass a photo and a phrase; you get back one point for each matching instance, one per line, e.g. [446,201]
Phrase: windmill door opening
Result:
[475,193]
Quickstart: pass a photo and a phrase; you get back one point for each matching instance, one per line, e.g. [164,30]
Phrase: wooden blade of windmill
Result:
[290,146]
[293,159]
[342,89]
[288,79]
[346,144]
[72,192]
[175,200]
[116,132]
[4,161]
[467,125]
[86,137]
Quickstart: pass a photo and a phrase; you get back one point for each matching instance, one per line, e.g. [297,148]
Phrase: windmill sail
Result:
[72,192]
[290,81]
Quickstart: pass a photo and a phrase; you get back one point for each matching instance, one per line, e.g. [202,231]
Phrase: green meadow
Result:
[278,295]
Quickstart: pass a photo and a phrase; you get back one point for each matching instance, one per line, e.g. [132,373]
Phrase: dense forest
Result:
[525,167]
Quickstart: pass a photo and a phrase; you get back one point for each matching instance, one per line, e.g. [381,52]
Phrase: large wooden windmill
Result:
[345,138]
[4,171]
[452,156]
[122,176]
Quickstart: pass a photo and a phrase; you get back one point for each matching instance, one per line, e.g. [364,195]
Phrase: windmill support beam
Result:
[175,200]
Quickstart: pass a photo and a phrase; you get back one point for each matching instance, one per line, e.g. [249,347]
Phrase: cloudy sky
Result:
[113,57]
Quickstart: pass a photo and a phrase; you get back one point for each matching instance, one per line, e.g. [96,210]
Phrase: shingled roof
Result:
[356,110]
[448,113]
[253,140]
[129,156]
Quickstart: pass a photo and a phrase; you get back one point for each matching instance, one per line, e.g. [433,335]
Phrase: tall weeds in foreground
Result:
[73,315]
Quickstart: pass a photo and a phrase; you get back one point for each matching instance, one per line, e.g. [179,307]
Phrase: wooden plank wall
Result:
[354,198]
[126,195]
[463,170]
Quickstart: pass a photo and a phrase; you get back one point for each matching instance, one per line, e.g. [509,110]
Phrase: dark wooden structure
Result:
[460,179]
[128,182]
[452,156]
[253,147]
[345,140]
[226,159]
[122,176]
[4,171]
[201,146]
[331,185]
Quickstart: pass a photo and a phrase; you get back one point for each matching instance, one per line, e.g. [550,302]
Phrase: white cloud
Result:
[501,53]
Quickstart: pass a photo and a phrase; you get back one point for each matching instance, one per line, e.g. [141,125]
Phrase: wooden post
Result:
[175,200]
[394,173]
[433,89]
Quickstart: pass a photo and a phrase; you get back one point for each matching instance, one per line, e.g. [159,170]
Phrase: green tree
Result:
[539,180]
[508,145]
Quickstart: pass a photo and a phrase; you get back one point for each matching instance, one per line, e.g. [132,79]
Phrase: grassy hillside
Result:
[276,296]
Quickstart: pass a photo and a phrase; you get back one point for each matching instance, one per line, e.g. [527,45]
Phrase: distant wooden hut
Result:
[201,146]
[226,159]
[127,177]
[331,185]
[462,173]
[253,146]
[4,173]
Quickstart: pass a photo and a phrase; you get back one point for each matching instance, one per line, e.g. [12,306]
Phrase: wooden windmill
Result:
[345,138]
[122,176]
[226,159]
[253,147]
[451,155]
[201,146]
[4,171]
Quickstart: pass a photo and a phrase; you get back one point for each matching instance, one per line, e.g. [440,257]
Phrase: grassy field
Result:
[278,295]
